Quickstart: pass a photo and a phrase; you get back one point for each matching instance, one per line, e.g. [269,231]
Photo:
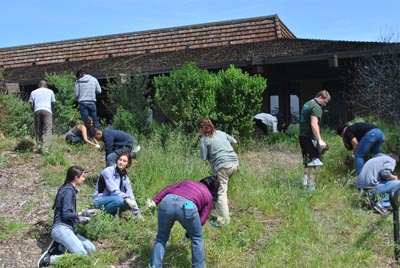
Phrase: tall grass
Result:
[275,221]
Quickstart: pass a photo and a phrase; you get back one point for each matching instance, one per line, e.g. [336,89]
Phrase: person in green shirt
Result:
[310,139]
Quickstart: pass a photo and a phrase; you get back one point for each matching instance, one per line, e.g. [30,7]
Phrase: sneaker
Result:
[45,258]
[381,209]
[315,162]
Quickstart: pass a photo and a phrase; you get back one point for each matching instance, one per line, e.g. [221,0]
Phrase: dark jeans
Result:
[88,108]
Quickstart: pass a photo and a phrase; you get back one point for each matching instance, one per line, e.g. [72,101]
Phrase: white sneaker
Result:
[315,162]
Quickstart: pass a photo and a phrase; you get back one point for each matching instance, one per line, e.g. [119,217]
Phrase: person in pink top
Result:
[189,203]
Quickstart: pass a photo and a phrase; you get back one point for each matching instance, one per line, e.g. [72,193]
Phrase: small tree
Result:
[127,101]
[65,111]
[186,95]
[239,98]
[230,98]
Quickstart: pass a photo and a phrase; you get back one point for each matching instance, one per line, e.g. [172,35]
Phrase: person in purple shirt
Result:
[189,203]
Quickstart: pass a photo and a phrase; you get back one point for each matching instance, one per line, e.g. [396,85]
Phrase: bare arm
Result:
[83,130]
[315,128]
[354,142]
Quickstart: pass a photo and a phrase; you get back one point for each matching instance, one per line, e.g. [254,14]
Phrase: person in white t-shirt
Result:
[265,121]
[42,103]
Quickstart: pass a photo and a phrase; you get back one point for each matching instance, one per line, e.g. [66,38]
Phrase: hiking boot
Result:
[381,209]
[316,162]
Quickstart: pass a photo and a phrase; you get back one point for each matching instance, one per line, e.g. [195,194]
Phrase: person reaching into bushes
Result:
[113,191]
[83,133]
[189,203]
[115,142]
[215,146]
[376,177]
[362,138]
[66,219]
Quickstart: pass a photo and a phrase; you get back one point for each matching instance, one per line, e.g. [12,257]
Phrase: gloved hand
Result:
[322,144]
[98,146]
[83,220]
[131,203]
[150,203]
[89,212]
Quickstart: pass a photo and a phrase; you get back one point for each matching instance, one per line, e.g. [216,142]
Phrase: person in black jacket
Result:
[362,138]
[66,219]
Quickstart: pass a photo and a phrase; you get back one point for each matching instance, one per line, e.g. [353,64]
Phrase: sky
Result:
[25,22]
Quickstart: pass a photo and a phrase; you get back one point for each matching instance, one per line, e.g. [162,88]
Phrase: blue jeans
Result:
[173,208]
[111,204]
[370,143]
[88,108]
[74,243]
[74,139]
[386,188]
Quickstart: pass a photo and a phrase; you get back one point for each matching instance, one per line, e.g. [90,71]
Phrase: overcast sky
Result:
[24,22]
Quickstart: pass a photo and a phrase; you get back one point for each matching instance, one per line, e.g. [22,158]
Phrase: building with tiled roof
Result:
[295,68]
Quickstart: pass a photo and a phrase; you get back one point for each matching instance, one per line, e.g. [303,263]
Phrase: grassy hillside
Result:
[275,221]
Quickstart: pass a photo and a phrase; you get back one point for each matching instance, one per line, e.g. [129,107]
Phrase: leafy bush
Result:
[186,95]
[17,117]
[229,98]
[127,101]
[65,114]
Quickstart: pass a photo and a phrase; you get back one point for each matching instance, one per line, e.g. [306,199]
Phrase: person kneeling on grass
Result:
[83,133]
[113,188]
[66,218]
[376,177]
[189,203]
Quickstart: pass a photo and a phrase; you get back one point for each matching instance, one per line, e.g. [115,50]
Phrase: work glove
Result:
[98,146]
[89,212]
[150,203]
[322,144]
[131,203]
[83,220]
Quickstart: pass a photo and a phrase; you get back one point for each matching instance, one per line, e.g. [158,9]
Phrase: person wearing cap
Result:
[310,138]
[362,138]
[86,88]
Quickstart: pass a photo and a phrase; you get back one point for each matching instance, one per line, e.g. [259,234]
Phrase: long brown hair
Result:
[207,126]
[71,174]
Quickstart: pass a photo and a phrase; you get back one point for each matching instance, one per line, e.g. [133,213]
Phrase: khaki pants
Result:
[43,127]
[221,205]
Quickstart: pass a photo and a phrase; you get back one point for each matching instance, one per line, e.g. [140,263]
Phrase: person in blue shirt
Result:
[115,142]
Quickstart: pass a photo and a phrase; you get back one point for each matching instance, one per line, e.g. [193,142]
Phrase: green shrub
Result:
[127,102]
[17,117]
[229,98]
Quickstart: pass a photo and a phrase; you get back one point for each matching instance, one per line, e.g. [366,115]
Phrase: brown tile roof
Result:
[266,52]
[137,44]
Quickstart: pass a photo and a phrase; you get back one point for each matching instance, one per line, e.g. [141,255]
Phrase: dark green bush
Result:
[17,117]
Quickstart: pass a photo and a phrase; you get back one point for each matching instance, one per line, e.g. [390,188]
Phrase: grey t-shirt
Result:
[218,150]
[374,170]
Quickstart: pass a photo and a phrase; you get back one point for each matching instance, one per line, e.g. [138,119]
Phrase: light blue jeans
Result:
[370,143]
[176,208]
[74,243]
[386,188]
[88,108]
[111,204]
